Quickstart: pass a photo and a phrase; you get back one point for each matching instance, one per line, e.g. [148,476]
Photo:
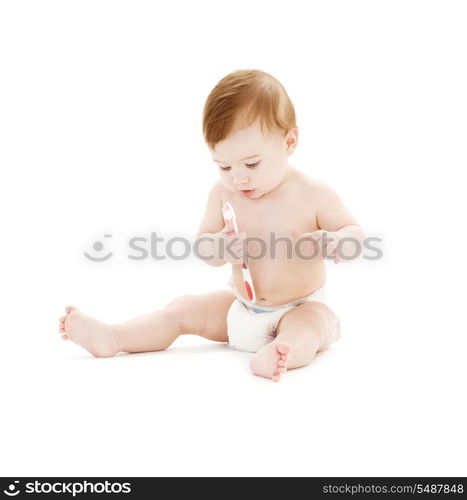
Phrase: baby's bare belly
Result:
[292,270]
[278,281]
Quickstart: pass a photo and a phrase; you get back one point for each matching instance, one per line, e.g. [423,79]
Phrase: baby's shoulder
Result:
[216,190]
[309,185]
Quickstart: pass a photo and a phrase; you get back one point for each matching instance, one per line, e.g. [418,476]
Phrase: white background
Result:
[100,116]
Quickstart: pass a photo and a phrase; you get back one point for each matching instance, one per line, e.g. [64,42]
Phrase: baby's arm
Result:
[334,218]
[211,224]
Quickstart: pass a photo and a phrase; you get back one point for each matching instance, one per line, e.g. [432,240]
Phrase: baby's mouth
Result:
[247,192]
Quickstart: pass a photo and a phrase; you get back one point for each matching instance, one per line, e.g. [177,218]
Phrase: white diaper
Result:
[250,327]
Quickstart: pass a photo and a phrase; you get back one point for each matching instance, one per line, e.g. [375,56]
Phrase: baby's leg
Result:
[203,315]
[301,333]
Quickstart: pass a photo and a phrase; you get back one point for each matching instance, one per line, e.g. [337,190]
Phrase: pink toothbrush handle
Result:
[229,214]
[248,283]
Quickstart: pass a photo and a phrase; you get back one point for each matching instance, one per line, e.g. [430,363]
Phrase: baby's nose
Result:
[240,180]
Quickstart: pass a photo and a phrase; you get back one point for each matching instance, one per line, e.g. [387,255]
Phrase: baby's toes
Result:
[68,309]
[277,374]
[283,348]
[61,329]
[281,366]
[282,362]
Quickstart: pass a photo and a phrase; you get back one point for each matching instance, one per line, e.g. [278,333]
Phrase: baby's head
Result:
[249,113]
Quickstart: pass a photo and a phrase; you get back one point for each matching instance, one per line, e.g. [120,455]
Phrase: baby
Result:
[288,223]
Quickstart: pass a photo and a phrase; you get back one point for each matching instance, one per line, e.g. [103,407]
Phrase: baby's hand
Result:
[324,242]
[230,245]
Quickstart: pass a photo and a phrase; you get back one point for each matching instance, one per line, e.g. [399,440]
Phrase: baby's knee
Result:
[181,303]
[188,311]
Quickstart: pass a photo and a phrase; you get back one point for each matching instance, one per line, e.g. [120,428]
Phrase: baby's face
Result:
[264,171]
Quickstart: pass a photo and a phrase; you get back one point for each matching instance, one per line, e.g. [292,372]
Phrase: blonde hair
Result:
[241,98]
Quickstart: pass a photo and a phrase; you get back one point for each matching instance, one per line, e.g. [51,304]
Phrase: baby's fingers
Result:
[320,240]
[330,247]
[317,235]
[234,253]
[228,227]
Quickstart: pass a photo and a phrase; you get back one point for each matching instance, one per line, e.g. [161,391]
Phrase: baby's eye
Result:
[252,165]
[249,165]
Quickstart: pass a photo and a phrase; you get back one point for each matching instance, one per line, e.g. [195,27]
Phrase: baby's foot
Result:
[96,337]
[271,360]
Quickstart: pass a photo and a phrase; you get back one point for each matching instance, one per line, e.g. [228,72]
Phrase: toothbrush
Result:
[229,215]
